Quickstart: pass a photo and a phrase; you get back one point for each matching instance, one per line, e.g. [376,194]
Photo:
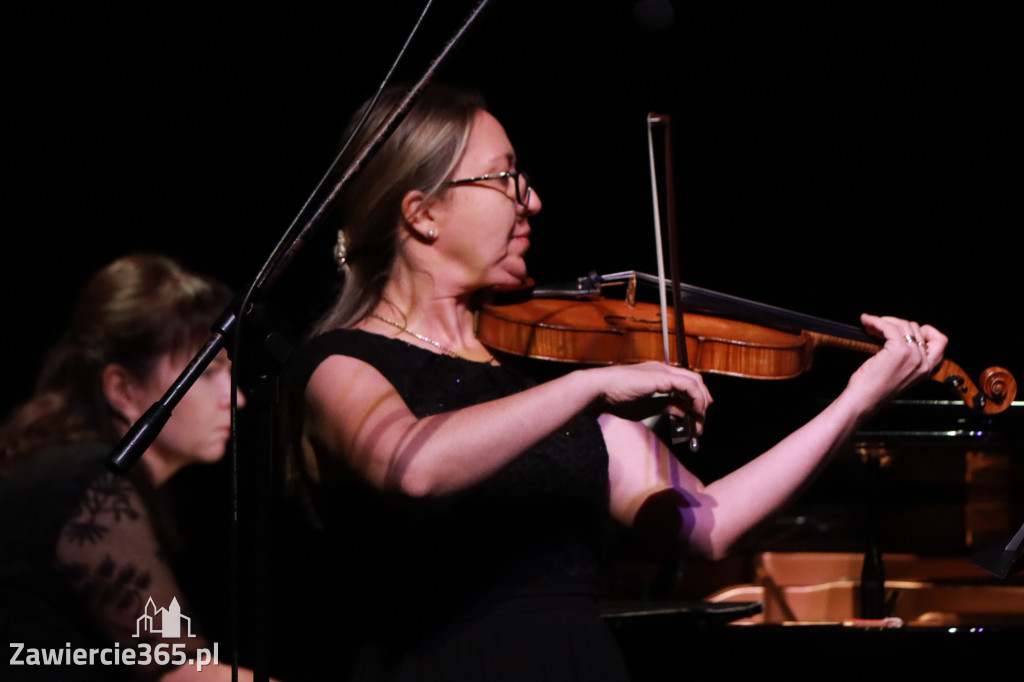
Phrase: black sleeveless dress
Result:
[498,582]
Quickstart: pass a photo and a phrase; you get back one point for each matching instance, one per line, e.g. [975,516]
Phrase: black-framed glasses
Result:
[522,183]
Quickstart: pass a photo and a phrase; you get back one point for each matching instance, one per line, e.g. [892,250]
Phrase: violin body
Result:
[603,331]
[609,331]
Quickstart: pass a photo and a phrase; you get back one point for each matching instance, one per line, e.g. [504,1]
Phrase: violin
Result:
[723,334]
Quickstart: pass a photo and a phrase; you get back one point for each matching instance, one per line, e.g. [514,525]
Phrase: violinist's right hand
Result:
[638,391]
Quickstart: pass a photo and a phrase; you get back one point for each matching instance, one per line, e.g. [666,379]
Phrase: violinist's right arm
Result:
[367,423]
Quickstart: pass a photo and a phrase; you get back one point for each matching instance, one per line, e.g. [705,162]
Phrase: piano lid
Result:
[943,420]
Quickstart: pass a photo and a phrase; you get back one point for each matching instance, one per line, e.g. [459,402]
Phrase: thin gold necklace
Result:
[444,349]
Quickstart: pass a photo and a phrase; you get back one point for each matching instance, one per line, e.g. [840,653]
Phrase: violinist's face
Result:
[483,229]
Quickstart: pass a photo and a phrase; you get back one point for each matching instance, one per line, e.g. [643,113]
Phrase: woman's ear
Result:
[420,215]
[120,388]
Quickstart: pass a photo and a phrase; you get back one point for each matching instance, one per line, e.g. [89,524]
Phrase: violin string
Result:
[698,299]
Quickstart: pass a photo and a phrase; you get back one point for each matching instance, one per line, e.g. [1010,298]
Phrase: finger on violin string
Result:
[912,333]
[933,345]
[887,326]
[917,341]
[916,333]
[896,328]
[919,336]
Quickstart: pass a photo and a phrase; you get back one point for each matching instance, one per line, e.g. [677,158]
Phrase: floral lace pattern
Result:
[109,555]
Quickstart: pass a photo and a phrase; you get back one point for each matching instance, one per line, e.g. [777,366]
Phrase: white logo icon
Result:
[165,622]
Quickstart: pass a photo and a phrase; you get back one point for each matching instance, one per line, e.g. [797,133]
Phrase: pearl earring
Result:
[431,234]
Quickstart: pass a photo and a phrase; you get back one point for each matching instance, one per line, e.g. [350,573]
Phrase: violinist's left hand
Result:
[911,353]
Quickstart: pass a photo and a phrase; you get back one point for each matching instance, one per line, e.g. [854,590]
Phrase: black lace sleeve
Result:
[109,554]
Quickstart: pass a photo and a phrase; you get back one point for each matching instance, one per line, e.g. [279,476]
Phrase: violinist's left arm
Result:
[656,495]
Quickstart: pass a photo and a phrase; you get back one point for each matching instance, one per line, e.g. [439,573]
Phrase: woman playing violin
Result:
[468,500]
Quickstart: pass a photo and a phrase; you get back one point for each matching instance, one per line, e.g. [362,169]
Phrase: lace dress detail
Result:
[500,579]
[90,569]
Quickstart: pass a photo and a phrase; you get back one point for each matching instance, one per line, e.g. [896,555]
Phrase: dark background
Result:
[830,158]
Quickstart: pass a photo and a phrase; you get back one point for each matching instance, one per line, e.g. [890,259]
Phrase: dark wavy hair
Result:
[130,312]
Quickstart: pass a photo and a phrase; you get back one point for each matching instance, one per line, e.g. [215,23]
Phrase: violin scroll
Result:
[997,388]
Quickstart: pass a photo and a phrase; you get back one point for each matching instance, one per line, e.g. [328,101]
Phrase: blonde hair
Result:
[421,154]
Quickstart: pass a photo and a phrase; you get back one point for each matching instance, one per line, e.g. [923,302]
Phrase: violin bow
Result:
[682,430]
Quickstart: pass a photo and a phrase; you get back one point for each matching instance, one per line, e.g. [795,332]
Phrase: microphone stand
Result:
[144,431]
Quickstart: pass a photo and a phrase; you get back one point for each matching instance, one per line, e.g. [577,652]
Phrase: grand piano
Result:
[895,561]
